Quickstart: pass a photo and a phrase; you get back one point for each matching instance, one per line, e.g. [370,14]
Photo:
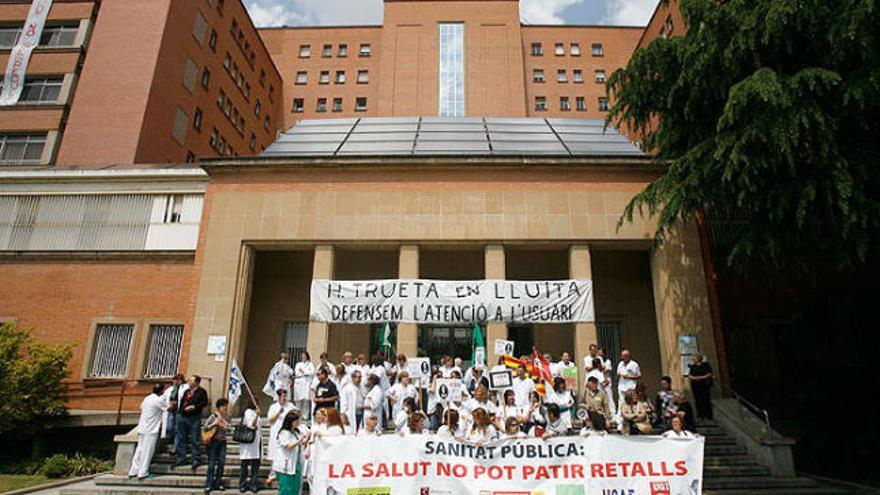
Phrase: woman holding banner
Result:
[482,430]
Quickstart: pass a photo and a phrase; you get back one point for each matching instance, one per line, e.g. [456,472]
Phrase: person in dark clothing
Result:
[188,428]
[219,420]
[326,393]
[684,411]
[700,376]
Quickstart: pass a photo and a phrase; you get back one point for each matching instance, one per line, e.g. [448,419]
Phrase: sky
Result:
[348,12]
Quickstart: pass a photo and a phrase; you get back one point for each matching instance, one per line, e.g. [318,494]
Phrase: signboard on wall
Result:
[452,302]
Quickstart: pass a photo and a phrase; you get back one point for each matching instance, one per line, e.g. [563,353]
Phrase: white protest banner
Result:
[424,464]
[449,301]
[418,367]
[20,55]
[504,347]
[449,390]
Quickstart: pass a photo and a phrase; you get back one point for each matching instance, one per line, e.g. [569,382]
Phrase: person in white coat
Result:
[374,401]
[275,419]
[250,453]
[153,408]
[523,386]
[303,374]
[400,391]
[628,375]
[351,402]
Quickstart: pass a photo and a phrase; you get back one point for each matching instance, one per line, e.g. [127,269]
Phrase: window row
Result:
[237,76]
[302,77]
[305,51]
[21,149]
[45,89]
[114,343]
[54,36]
[245,45]
[360,104]
[574,50]
[577,75]
[219,143]
[224,103]
[565,103]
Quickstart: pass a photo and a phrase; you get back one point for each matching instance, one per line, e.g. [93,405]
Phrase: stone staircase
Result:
[728,470]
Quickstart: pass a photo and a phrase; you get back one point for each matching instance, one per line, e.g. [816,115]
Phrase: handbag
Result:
[208,435]
[243,433]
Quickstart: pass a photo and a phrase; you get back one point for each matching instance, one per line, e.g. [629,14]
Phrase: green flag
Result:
[385,339]
[478,347]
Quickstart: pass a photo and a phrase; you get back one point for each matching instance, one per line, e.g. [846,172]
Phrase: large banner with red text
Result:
[431,465]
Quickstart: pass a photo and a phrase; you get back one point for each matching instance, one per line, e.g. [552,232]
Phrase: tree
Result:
[765,111]
[30,381]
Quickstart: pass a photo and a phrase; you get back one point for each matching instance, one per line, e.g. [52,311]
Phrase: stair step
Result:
[231,469]
[816,490]
[710,471]
[165,481]
[756,482]
[730,460]
[720,450]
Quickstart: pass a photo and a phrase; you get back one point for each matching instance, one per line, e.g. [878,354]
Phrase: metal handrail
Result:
[757,411]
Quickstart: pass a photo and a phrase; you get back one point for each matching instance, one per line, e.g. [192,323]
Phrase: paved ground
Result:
[82,485]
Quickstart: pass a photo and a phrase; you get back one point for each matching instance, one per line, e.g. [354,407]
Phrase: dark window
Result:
[197,119]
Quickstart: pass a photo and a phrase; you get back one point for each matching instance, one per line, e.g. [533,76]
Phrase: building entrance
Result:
[438,341]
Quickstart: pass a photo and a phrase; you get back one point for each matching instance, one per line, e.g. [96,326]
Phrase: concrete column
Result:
[580,266]
[319,330]
[496,269]
[408,333]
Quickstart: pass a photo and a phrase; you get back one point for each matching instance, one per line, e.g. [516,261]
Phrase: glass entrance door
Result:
[438,341]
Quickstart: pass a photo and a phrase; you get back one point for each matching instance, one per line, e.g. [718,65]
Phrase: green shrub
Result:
[57,466]
[81,465]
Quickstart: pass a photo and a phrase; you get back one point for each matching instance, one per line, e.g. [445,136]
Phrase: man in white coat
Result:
[628,375]
[153,408]
[351,402]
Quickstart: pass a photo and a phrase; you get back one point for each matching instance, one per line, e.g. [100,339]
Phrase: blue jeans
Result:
[216,464]
[188,436]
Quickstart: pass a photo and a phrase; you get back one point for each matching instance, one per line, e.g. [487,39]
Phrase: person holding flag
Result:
[280,377]
[249,453]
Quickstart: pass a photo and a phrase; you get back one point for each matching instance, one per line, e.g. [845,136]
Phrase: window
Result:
[578,75]
[322,105]
[451,70]
[363,76]
[337,104]
[342,51]
[305,51]
[325,77]
[173,208]
[221,146]
[190,157]
[21,149]
[540,103]
[575,50]
[598,51]
[580,103]
[559,49]
[298,104]
[41,90]
[112,345]
[206,78]
[267,122]
[327,51]
[214,139]
[258,108]
[360,104]
[9,36]
[302,77]
[253,143]
[164,355]
[365,50]
[564,104]
[538,75]
[537,50]
[262,77]
[212,41]
[603,104]
[197,119]
[600,76]
[178,129]
[59,35]
[561,76]
[295,337]
[227,61]
[667,28]
[190,73]
[199,27]
[271,93]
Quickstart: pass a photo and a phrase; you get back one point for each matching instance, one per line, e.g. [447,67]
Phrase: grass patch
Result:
[9,482]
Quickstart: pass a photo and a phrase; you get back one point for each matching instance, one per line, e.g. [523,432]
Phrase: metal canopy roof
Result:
[467,136]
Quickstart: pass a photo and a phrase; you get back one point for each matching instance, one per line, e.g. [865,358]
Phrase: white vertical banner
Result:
[16,67]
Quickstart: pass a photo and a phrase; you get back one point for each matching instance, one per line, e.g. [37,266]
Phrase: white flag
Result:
[20,55]
[279,377]
[236,381]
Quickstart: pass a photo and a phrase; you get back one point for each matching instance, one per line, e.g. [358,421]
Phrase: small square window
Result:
[305,51]
[340,77]
[327,51]
[215,138]
[581,103]
[360,104]
[322,105]
[561,76]
[600,76]
[559,49]
[538,75]
[363,76]
[578,76]
[190,157]
[365,50]
[603,104]
[564,104]
[598,51]
[540,103]
[342,51]
[325,77]
[298,105]
[337,104]
[302,77]
[537,50]
[575,50]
